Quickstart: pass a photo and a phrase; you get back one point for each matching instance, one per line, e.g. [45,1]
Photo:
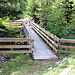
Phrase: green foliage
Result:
[13,8]
[32,8]
[69,32]
[3,28]
[61,19]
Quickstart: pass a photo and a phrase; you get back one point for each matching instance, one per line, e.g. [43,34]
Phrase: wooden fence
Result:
[28,40]
[14,23]
[52,40]
[15,46]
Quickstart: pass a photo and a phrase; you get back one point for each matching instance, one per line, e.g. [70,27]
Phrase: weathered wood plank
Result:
[46,36]
[15,46]
[69,47]
[67,40]
[13,23]
[17,51]
[16,40]
[67,52]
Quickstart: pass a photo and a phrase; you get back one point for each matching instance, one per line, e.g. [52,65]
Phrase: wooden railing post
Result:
[10,24]
[16,24]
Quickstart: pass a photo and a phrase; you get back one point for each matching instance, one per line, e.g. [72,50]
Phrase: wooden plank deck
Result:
[40,49]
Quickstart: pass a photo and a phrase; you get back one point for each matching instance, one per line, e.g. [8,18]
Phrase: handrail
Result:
[47,32]
[14,23]
[16,40]
[28,46]
[67,40]
[47,37]
[42,35]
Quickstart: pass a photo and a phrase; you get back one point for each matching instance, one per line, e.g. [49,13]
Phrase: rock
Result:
[58,63]
[35,73]
[49,68]
[2,58]
[61,61]
[65,71]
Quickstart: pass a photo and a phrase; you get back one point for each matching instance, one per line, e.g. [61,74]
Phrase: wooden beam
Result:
[13,23]
[67,52]
[15,46]
[18,21]
[16,40]
[69,47]
[67,40]
[17,51]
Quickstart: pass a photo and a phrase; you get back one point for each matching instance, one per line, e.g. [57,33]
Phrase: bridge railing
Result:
[52,40]
[25,31]
[22,46]
[14,23]
[67,44]
[17,45]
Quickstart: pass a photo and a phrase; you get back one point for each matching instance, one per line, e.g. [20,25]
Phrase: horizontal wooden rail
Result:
[15,25]
[16,40]
[12,23]
[17,51]
[67,40]
[15,46]
[67,52]
[15,21]
[69,47]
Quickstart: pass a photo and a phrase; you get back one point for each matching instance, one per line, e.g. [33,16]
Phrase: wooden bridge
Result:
[39,42]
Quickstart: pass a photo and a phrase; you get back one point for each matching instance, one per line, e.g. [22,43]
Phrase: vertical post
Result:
[16,24]
[58,43]
[28,22]
[47,39]
[31,46]
[55,42]
[10,24]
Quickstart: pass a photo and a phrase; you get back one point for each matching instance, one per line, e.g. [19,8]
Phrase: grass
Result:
[24,65]
[69,63]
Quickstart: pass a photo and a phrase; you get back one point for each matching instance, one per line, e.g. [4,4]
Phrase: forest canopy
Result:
[57,16]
